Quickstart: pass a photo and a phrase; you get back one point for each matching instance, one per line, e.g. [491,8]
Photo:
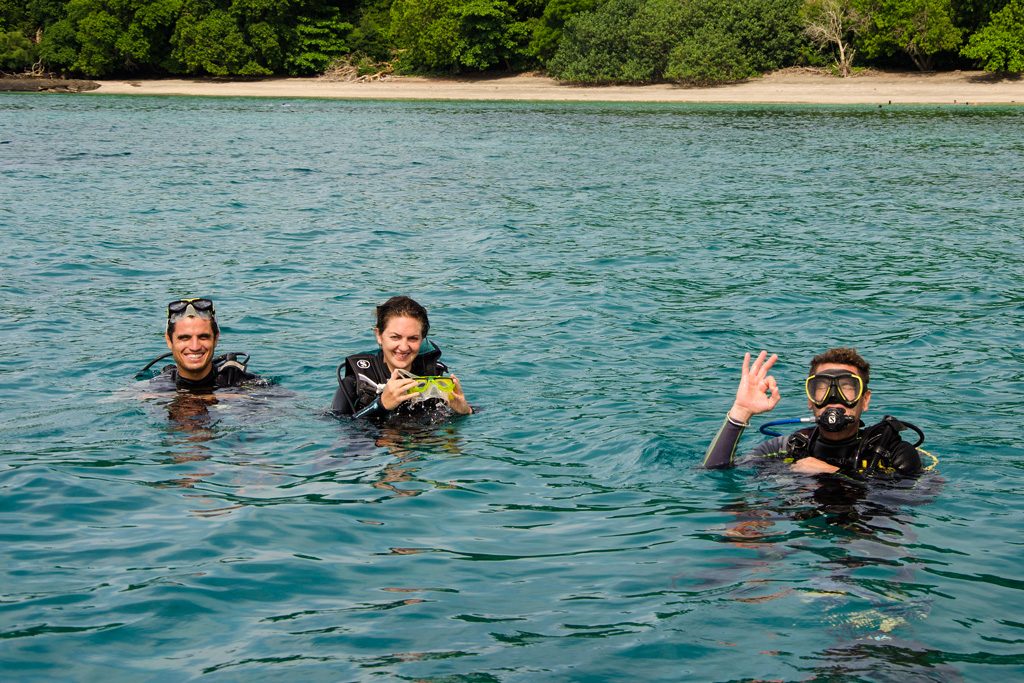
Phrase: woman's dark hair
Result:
[398,306]
[845,356]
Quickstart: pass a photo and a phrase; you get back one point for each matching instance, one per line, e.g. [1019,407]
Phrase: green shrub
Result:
[17,53]
[999,45]
[918,28]
[213,44]
[597,46]
[317,44]
[449,36]
[768,31]
[546,31]
[708,56]
[372,34]
[690,41]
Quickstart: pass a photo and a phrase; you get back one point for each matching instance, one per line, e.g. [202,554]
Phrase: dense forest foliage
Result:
[582,41]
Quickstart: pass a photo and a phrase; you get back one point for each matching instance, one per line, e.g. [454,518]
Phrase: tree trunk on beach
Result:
[832,23]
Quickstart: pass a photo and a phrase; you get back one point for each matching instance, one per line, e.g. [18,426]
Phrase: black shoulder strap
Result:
[429,363]
[233,359]
[879,442]
[799,443]
[231,367]
[360,363]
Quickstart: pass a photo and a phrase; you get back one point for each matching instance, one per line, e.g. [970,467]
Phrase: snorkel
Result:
[767,430]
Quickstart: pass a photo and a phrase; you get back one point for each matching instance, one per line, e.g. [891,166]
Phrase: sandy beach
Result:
[791,86]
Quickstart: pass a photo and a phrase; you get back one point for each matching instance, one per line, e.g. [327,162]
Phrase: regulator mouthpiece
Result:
[835,420]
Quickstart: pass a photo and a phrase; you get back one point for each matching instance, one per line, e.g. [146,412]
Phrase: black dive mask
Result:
[835,420]
[845,388]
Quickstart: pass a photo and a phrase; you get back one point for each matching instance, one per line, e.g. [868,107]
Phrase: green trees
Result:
[999,45]
[547,29]
[971,15]
[212,43]
[583,41]
[243,37]
[454,35]
[317,43]
[918,28]
[97,37]
[832,24]
[687,41]
[17,52]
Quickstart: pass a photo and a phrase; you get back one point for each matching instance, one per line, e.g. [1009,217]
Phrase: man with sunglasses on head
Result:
[838,394]
[192,335]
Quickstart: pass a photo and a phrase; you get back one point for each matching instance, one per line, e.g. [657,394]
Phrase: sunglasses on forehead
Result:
[201,308]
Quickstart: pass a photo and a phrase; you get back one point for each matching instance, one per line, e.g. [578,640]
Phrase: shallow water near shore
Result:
[594,274]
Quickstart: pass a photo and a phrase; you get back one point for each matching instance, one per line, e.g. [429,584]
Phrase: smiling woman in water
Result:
[404,376]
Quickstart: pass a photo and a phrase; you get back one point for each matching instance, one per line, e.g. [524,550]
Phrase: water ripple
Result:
[593,273]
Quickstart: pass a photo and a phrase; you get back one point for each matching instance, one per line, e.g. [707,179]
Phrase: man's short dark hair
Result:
[213,326]
[846,356]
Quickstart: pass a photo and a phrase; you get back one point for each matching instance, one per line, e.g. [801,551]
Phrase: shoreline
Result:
[789,86]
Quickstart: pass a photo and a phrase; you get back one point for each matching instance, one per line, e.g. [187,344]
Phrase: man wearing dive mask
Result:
[837,394]
[191,335]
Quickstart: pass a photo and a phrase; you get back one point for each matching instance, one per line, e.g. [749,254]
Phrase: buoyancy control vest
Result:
[877,450]
[368,371]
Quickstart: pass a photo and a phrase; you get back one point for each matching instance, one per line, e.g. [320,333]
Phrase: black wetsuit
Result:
[359,399]
[901,458]
[225,372]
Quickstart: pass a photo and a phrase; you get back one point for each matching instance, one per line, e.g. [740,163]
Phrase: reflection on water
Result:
[190,414]
[404,444]
[193,420]
[864,580]
[838,505]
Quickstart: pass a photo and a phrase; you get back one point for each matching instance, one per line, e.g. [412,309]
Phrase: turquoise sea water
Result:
[594,274]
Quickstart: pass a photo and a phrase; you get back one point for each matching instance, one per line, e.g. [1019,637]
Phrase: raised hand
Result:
[758,391]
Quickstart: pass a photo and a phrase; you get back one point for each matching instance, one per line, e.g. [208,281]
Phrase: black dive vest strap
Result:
[231,368]
[798,445]
[879,444]
[807,443]
[370,365]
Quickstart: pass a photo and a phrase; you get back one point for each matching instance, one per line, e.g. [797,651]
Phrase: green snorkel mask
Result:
[433,386]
